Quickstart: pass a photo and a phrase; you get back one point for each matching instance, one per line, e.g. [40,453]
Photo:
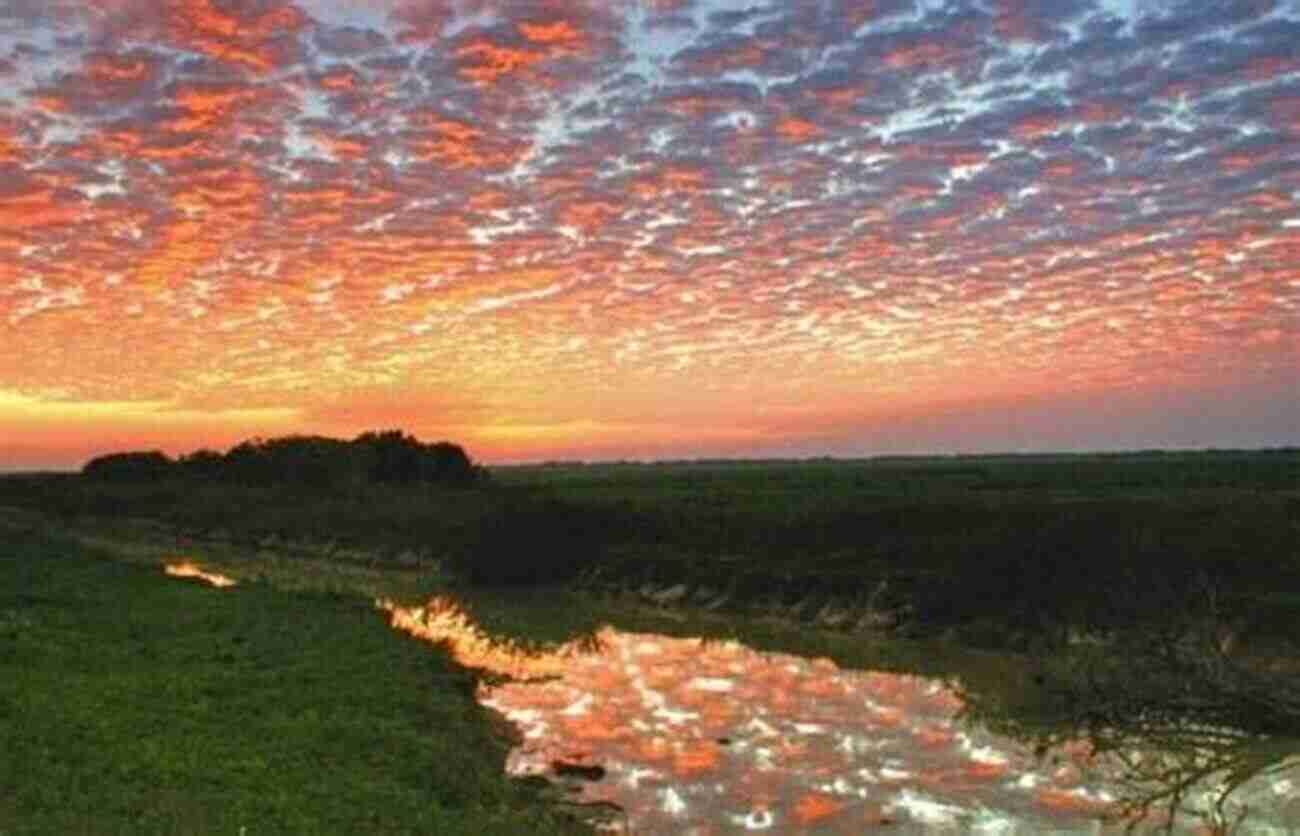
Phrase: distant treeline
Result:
[309,461]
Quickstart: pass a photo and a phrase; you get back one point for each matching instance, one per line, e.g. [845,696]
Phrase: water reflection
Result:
[698,735]
[702,737]
[189,569]
[442,621]
[1189,732]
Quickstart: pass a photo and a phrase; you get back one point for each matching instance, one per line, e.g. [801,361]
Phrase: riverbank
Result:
[1019,553]
[536,616]
[203,673]
[1035,697]
[137,702]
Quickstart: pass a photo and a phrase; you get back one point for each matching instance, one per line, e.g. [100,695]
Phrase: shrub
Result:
[534,540]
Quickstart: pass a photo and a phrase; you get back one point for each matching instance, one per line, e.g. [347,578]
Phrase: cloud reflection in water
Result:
[703,737]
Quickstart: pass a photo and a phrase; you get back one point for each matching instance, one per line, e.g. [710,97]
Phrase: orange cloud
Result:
[50,100]
[1100,110]
[113,68]
[248,40]
[206,104]
[458,144]
[487,199]
[919,53]
[34,206]
[346,146]
[589,216]
[838,95]
[339,79]
[11,147]
[558,33]
[484,61]
[797,130]
[670,178]
[736,56]
[1035,125]
[695,104]
[233,194]
[203,178]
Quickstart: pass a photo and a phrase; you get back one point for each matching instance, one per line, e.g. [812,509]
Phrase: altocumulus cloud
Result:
[586,214]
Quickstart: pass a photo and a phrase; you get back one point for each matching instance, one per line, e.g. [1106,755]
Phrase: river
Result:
[697,736]
[702,736]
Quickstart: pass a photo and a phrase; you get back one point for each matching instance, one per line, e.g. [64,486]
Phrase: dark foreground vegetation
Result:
[134,703]
[1192,727]
[1156,594]
[1008,551]
[305,462]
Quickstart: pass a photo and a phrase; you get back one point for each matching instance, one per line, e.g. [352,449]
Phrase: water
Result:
[704,737]
[693,736]
[698,736]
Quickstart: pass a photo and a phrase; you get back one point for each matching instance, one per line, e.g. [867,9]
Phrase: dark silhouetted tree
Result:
[202,464]
[447,462]
[394,456]
[143,466]
[311,462]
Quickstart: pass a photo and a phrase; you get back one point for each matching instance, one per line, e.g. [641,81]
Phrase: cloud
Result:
[525,206]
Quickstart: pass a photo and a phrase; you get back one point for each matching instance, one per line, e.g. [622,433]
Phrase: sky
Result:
[649,228]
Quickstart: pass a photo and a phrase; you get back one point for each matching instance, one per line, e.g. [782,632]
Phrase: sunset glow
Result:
[442,621]
[649,228]
[190,569]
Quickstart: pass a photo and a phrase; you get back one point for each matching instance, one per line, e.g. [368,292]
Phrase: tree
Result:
[394,456]
[138,466]
[304,461]
[202,464]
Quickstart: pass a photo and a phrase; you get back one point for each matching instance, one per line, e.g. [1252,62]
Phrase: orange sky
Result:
[648,229]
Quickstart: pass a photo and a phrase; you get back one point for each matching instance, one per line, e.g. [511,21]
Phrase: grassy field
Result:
[138,703]
[997,550]
[132,702]
[1006,546]
[541,616]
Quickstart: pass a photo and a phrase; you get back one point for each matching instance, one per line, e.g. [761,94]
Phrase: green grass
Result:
[132,702]
[543,617]
[129,702]
[1004,549]
[1000,551]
